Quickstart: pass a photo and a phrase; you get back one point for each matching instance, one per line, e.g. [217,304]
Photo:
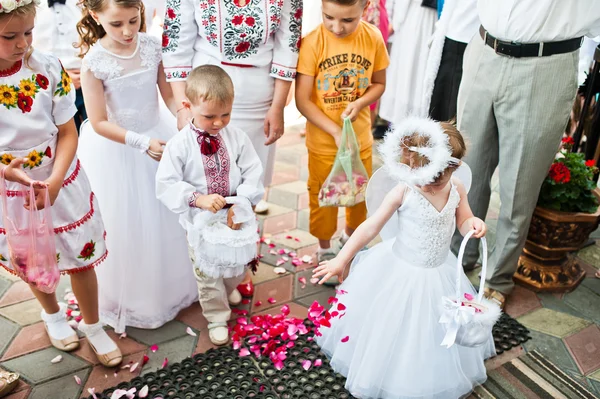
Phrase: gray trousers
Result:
[513,112]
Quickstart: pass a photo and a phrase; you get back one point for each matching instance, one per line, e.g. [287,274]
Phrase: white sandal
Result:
[218,333]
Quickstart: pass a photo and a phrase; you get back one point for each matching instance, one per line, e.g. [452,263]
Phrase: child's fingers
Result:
[327,277]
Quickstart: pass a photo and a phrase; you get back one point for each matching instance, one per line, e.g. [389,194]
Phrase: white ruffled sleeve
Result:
[251,169]
[180,32]
[63,100]
[287,41]
[171,189]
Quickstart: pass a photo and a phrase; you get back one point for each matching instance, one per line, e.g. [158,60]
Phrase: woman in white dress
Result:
[148,278]
[413,26]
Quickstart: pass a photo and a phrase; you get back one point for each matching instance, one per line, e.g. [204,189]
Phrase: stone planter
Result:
[546,263]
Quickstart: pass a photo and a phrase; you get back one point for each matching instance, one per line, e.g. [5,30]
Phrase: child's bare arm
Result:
[465,220]
[304,87]
[372,94]
[166,91]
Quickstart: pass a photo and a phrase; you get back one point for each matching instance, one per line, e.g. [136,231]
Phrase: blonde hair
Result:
[22,11]
[209,83]
[90,31]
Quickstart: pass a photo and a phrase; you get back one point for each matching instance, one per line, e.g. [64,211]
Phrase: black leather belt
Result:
[518,50]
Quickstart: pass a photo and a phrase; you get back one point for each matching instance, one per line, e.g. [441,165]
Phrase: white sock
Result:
[344,238]
[326,250]
[58,327]
[98,337]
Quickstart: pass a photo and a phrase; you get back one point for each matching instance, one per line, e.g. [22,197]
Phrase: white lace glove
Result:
[136,140]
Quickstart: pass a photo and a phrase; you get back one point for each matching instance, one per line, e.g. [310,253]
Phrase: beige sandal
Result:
[96,331]
[8,382]
[218,333]
[597,275]
[495,296]
[66,344]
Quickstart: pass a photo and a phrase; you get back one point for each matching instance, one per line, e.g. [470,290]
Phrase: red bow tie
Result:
[208,144]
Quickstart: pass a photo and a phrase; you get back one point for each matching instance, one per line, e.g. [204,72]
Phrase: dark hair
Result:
[90,31]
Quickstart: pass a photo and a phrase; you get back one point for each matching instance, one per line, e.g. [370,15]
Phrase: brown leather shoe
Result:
[8,382]
[495,296]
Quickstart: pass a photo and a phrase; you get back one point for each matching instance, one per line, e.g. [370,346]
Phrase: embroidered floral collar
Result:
[209,144]
[12,70]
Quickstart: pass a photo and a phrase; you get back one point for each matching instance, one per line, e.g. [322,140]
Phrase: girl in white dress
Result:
[149,277]
[388,342]
[38,141]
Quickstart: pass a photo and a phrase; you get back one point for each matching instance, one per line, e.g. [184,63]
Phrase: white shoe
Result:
[261,207]
[235,298]
[218,333]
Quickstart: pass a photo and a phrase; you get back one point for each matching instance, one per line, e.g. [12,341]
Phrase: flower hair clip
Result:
[7,6]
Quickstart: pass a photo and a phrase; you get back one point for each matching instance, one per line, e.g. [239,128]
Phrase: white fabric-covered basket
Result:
[468,321]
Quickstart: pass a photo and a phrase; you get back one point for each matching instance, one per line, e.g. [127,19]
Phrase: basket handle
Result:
[459,266]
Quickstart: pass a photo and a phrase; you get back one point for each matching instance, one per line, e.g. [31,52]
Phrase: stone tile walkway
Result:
[565,328]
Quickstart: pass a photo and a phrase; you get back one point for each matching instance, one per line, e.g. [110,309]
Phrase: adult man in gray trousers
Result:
[518,86]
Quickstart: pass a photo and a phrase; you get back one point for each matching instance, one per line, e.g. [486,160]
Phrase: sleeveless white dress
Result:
[149,277]
[393,305]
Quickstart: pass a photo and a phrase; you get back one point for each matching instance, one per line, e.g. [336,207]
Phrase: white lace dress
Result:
[393,304]
[148,278]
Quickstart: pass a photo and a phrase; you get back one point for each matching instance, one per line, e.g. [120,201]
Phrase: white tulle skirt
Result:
[148,276]
[391,321]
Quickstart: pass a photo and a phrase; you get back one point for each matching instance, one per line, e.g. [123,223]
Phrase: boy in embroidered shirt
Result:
[341,71]
[211,176]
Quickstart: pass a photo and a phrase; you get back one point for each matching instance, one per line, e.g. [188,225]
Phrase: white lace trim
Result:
[221,270]
[102,65]
[150,51]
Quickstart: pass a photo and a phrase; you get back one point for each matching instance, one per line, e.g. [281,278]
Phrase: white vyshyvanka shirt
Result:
[242,32]
[233,171]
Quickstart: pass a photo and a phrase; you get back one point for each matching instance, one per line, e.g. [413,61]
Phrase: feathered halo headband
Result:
[421,136]
[7,6]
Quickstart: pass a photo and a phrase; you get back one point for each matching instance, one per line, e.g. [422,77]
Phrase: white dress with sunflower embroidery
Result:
[34,100]
[149,276]
[254,41]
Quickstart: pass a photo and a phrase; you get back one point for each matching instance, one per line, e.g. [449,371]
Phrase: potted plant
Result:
[566,213]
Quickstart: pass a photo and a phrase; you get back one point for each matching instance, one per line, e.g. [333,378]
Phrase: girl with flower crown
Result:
[149,277]
[38,142]
[388,340]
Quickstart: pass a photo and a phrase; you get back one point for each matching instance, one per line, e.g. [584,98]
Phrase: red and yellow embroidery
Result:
[7,158]
[22,96]
[34,158]
[64,86]
[88,250]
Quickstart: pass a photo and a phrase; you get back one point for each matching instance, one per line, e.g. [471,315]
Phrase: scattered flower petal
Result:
[245,301]
[262,388]
[134,366]
[296,262]
[118,394]
[145,360]
[345,339]
[280,262]
[318,363]
[279,270]
[285,258]
[154,348]
[244,352]
[307,259]
[282,251]
[273,252]
[257,303]
[341,292]
[341,307]
[124,335]
[302,280]
[92,391]
[165,363]
[332,300]
[237,345]
[306,364]
[314,280]
[77,380]
[289,237]
[271,245]
[143,392]
[468,296]
[271,300]
[57,359]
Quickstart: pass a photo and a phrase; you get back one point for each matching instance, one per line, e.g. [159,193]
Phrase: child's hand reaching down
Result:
[211,202]
[352,110]
[476,224]
[329,268]
[230,222]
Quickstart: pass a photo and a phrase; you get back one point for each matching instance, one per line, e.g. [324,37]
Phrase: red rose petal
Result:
[345,339]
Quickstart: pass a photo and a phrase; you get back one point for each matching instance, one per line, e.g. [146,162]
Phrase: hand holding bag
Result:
[346,184]
[30,237]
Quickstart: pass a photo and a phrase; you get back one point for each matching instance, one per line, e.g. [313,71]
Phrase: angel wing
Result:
[381,183]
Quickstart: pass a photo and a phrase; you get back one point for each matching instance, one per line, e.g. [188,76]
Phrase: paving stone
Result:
[192,316]
[304,237]
[19,395]
[590,255]
[203,343]
[23,313]
[280,223]
[585,347]
[552,348]
[8,276]
[320,297]
[279,289]
[555,302]
[175,351]
[596,386]
[274,210]
[30,339]
[18,292]
[4,284]
[296,187]
[284,173]
[171,330]
[303,201]
[553,323]
[521,301]
[265,273]
[36,367]
[586,301]
[127,346]
[309,288]
[595,375]
[8,330]
[102,377]
[592,283]
[65,386]
[283,198]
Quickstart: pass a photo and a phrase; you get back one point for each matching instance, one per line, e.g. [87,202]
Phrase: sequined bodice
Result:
[424,233]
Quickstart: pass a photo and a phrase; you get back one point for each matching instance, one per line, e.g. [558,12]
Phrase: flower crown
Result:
[436,149]
[7,6]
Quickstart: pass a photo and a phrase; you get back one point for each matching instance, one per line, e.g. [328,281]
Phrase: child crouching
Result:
[211,176]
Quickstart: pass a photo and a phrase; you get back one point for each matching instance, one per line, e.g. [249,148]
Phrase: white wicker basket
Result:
[468,321]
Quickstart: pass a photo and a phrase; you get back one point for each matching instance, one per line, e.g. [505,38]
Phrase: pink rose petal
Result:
[143,392]
[285,258]
[289,237]
[281,251]
[271,300]
[280,262]
[191,332]
[345,339]
[285,309]
[306,364]
[307,259]
[302,280]
[124,335]
[154,348]
[296,262]
[165,363]
[92,391]
[57,359]
[245,301]
[293,254]
[134,367]
[341,307]
[77,380]
[279,270]
[257,303]
[468,296]
[244,352]
[118,394]
[318,363]
[341,292]
[271,245]
[332,300]
[237,345]
[273,252]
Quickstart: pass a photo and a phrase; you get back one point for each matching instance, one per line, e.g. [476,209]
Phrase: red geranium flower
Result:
[568,140]
[24,103]
[165,40]
[298,43]
[250,21]
[88,250]
[237,20]
[42,81]
[242,47]
[171,14]
[298,13]
[590,163]
[560,173]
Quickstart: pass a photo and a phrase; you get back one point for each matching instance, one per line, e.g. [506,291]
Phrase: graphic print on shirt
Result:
[342,79]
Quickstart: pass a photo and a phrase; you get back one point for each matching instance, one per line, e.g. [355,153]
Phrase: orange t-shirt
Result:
[342,69]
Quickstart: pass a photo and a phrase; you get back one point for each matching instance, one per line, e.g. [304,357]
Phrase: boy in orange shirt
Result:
[341,70]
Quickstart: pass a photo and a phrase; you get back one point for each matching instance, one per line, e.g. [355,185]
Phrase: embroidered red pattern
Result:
[216,170]
[72,177]
[68,271]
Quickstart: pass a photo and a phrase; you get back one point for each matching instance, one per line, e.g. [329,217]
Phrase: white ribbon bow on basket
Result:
[454,316]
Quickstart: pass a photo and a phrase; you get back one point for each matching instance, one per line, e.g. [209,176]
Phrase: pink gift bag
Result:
[30,237]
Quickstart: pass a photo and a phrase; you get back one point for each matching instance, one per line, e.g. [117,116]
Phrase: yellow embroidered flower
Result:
[28,87]
[7,158]
[2,258]
[34,158]
[64,86]
[8,96]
